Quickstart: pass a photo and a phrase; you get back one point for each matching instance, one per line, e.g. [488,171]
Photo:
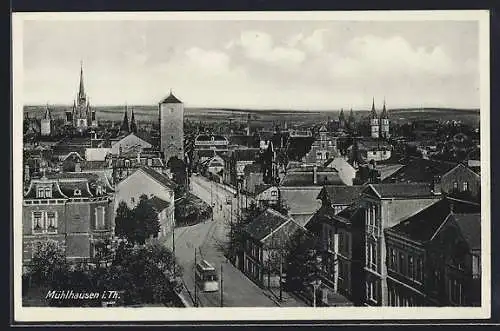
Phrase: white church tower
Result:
[374,122]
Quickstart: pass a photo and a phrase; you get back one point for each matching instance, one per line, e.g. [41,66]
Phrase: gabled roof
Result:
[307,179]
[341,194]
[171,98]
[160,178]
[398,190]
[424,225]
[267,222]
[301,200]
[159,204]
[261,188]
[470,227]
[420,171]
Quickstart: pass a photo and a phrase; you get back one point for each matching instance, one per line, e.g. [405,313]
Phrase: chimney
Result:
[315,175]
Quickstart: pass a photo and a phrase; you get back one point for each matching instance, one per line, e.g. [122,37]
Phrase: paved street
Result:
[206,237]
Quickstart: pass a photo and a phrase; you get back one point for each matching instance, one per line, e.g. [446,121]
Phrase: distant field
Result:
[150,113]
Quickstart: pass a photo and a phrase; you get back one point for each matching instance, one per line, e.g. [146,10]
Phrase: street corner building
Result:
[73,209]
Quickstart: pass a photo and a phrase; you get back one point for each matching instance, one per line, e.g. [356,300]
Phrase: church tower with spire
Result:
[133,126]
[384,123]
[342,119]
[374,122]
[83,115]
[46,123]
[351,121]
[124,128]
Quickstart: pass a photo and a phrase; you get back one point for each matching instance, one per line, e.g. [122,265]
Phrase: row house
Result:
[322,149]
[450,178]
[339,226]
[73,209]
[385,206]
[434,256]
[265,240]
[235,164]
[127,163]
[155,185]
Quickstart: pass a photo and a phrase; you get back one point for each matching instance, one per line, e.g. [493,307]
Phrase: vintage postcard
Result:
[251,166]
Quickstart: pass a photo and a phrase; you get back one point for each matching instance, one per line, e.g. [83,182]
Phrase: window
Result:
[77,192]
[401,263]
[465,186]
[51,221]
[392,258]
[371,291]
[476,267]
[411,267]
[455,185]
[456,292]
[100,218]
[372,256]
[127,163]
[419,273]
[274,193]
[44,192]
[341,242]
[37,221]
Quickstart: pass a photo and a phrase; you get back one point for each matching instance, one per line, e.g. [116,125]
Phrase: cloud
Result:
[316,41]
[259,46]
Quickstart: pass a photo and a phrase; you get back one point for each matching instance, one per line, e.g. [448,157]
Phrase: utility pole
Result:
[195,281]
[221,287]
[173,249]
[281,275]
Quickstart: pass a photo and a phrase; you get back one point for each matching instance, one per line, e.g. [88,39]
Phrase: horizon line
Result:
[264,109]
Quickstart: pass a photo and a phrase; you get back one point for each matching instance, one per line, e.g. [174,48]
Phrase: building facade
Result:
[73,209]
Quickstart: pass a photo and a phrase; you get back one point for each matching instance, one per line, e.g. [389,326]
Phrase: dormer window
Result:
[44,192]
[127,163]
[77,192]
[98,190]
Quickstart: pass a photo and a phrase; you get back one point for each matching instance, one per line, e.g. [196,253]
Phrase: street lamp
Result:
[316,284]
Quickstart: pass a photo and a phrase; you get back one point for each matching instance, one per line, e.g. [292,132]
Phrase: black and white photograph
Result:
[286,165]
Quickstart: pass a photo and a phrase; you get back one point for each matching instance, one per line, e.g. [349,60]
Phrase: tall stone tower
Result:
[46,123]
[374,122]
[384,123]
[171,111]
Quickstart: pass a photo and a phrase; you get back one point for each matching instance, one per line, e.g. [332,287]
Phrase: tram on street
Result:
[206,277]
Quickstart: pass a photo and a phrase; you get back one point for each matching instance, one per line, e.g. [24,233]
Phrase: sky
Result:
[306,65]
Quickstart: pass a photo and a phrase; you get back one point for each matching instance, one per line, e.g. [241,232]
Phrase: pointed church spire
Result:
[384,111]
[47,115]
[81,88]
[133,126]
[125,125]
[374,112]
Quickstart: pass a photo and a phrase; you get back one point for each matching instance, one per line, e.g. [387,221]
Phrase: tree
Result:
[138,224]
[124,221]
[146,223]
[48,261]
[178,169]
[302,264]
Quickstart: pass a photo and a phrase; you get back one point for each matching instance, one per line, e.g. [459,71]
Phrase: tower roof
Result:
[384,112]
[47,115]
[81,88]
[171,98]
[374,112]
